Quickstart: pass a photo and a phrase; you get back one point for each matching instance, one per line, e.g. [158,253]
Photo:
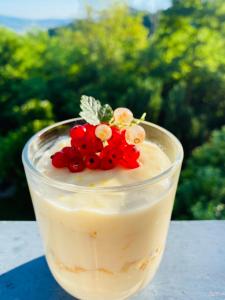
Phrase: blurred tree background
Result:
[170,64]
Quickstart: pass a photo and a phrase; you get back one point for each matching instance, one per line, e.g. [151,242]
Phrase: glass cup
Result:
[103,242]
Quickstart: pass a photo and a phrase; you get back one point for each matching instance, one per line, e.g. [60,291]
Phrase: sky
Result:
[42,9]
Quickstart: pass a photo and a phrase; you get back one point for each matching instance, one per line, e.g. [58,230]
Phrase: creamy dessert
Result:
[104,237]
[153,161]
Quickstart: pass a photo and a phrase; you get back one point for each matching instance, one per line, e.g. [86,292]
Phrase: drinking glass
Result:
[102,242]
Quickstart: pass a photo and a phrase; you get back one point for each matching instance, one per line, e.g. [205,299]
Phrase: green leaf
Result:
[90,108]
[105,113]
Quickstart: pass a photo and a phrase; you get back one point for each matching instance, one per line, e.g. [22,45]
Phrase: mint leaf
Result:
[105,113]
[90,108]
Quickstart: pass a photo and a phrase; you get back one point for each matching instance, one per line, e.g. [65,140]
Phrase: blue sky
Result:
[40,9]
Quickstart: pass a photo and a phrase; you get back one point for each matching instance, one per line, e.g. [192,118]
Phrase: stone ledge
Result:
[193,267]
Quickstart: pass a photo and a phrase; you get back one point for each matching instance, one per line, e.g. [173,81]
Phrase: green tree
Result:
[173,69]
[186,54]
[201,194]
[21,73]
[14,197]
[101,60]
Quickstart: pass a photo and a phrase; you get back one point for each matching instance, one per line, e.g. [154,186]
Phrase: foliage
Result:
[173,69]
[187,55]
[202,190]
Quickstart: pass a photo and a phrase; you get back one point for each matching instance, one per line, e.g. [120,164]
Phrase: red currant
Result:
[71,152]
[78,132]
[76,165]
[130,152]
[84,147]
[90,129]
[90,145]
[96,144]
[92,161]
[115,154]
[123,138]
[105,151]
[75,143]
[115,138]
[107,163]
[80,144]
[59,160]
[118,137]
[132,164]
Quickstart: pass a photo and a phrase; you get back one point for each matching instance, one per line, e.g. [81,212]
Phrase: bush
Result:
[201,194]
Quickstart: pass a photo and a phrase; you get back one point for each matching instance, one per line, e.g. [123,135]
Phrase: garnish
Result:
[103,132]
[93,112]
[135,134]
[107,140]
[105,113]
[123,116]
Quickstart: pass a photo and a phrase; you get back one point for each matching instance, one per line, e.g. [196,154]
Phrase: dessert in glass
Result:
[103,216]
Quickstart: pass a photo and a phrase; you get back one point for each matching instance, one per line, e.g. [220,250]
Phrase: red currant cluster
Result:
[89,151]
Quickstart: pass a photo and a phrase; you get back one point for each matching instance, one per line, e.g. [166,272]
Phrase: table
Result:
[193,266]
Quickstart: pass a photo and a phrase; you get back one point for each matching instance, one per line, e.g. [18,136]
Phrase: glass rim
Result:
[75,188]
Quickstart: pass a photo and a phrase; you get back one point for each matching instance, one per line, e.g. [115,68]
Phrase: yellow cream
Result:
[105,245]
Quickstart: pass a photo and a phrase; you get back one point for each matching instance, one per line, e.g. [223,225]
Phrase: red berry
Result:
[122,133]
[105,151]
[92,161]
[76,165]
[96,144]
[133,164]
[116,136]
[59,160]
[107,163]
[123,142]
[71,152]
[88,145]
[84,147]
[130,152]
[115,154]
[90,129]
[76,142]
[78,132]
